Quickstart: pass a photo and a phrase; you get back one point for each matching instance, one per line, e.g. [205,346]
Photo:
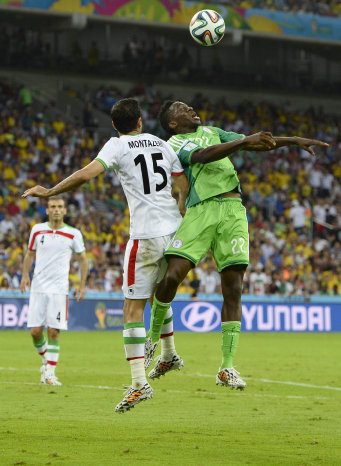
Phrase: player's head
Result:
[56,209]
[177,117]
[126,116]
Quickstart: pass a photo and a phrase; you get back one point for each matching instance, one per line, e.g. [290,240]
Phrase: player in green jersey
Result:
[215,219]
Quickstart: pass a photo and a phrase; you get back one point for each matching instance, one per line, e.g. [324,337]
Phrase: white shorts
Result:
[48,309]
[144,266]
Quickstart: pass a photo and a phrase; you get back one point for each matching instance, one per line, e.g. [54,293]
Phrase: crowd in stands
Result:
[165,60]
[293,200]
[317,7]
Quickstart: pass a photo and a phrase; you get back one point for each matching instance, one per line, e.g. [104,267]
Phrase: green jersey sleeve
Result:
[228,136]
[186,151]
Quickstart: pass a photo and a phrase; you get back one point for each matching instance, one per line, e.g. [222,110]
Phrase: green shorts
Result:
[219,224]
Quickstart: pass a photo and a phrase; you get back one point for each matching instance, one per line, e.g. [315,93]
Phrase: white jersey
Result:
[53,249]
[144,165]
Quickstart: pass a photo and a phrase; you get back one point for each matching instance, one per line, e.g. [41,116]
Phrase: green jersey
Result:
[210,179]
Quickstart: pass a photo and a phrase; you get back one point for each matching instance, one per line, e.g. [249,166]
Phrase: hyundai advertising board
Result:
[194,316]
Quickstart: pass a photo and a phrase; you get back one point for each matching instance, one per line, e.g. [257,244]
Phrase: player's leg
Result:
[167,336]
[167,333]
[141,268]
[231,316]
[36,321]
[57,317]
[40,344]
[169,359]
[134,337]
[188,247]
[230,250]
[39,341]
[178,268]
[52,356]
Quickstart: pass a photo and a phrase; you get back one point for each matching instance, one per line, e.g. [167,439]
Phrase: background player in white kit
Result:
[51,245]
[144,164]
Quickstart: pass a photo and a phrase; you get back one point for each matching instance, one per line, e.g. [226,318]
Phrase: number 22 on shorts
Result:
[239,246]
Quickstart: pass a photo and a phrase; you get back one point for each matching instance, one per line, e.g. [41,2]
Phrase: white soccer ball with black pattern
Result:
[207,27]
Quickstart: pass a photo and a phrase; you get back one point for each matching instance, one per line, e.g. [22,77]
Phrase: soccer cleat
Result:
[149,351]
[162,367]
[133,396]
[230,378]
[51,379]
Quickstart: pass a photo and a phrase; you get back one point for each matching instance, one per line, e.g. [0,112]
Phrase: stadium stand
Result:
[317,7]
[293,200]
[173,61]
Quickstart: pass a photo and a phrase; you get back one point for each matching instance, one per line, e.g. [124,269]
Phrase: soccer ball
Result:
[207,27]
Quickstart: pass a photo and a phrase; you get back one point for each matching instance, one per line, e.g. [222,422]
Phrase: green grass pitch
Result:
[190,421]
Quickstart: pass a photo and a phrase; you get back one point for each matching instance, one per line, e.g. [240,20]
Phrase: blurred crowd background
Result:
[293,200]
[161,58]
[317,7]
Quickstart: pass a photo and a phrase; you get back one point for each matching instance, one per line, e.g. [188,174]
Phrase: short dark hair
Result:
[165,116]
[125,114]
[58,197]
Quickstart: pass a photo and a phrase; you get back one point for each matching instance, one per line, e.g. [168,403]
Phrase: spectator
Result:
[210,280]
[93,56]
[297,214]
[25,96]
[267,249]
[6,225]
[13,277]
[272,184]
[258,281]
[4,285]
[320,214]
[89,120]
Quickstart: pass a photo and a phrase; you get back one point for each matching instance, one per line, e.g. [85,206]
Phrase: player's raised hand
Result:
[25,282]
[79,293]
[260,141]
[36,191]
[305,144]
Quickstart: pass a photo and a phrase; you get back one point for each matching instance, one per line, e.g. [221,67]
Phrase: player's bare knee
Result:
[52,333]
[172,280]
[178,268]
[36,333]
[133,310]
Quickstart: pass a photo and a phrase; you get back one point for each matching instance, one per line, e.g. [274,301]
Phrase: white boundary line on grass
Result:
[283,382]
[198,392]
[295,384]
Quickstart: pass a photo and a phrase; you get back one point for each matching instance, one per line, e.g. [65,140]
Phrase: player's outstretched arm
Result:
[257,141]
[25,279]
[73,181]
[182,183]
[304,143]
[83,262]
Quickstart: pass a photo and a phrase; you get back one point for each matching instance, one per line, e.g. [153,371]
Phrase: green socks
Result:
[158,314]
[230,333]
[41,346]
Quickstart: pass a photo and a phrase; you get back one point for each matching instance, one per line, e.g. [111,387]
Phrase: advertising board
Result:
[190,315]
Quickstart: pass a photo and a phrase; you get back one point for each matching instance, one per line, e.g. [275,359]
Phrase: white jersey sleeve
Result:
[78,242]
[177,168]
[144,165]
[109,154]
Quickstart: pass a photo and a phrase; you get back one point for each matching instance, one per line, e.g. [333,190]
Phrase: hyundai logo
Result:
[200,317]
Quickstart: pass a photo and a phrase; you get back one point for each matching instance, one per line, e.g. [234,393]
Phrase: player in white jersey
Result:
[146,166]
[51,245]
